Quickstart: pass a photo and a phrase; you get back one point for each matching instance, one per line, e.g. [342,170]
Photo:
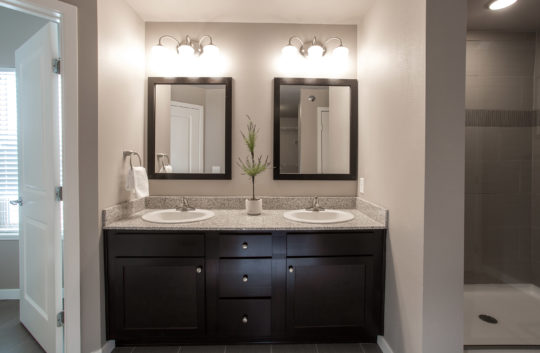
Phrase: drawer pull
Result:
[244,278]
[244,319]
[291,269]
[199,269]
[244,245]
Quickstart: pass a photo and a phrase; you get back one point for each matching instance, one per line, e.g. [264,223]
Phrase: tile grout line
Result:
[317,348]
[362,347]
[179,349]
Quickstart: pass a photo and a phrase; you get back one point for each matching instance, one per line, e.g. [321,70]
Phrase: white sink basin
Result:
[326,216]
[174,216]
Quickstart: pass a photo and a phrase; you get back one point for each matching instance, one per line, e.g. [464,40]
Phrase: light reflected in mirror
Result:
[190,128]
[314,128]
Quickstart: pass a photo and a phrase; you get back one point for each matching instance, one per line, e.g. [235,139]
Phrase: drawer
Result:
[156,244]
[244,318]
[249,245]
[333,244]
[245,278]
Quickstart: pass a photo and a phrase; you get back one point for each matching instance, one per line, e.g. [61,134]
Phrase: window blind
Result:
[9,215]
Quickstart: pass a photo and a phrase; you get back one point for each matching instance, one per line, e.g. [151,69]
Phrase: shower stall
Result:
[502,211]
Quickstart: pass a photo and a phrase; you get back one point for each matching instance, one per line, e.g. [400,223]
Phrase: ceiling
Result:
[523,16]
[253,11]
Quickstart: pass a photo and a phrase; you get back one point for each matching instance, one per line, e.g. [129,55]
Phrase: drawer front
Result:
[333,244]
[156,244]
[245,278]
[248,245]
[244,318]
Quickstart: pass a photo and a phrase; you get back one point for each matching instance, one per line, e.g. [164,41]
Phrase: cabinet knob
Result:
[244,278]
[291,269]
[199,269]
[244,319]
[244,245]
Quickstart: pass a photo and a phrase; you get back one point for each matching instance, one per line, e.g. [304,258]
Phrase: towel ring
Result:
[161,156]
[130,155]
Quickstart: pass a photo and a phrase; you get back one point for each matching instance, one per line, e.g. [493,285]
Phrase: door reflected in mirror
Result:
[190,130]
[314,127]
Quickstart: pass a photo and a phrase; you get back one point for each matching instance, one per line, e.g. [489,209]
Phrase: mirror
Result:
[189,128]
[315,129]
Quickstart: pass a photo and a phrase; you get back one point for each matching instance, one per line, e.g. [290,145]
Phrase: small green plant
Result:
[252,166]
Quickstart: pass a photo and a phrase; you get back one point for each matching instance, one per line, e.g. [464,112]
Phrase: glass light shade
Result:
[501,4]
[185,50]
[341,52]
[159,53]
[289,51]
[210,50]
[315,51]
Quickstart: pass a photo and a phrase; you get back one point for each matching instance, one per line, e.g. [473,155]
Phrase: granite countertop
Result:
[239,220]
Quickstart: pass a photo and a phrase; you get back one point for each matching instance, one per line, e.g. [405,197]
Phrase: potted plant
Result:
[252,167]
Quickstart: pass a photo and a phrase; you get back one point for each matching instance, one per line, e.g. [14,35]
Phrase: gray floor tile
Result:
[14,338]
[255,348]
[294,348]
[339,348]
[371,348]
[157,349]
[202,349]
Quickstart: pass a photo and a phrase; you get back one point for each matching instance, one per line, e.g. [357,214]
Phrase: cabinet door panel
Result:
[157,297]
[329,296]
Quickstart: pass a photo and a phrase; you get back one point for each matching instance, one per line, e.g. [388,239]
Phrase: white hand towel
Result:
[137,182]
[166,169]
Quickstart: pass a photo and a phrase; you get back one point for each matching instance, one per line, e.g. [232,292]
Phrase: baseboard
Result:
[9,294]
[383,345]
[108,347]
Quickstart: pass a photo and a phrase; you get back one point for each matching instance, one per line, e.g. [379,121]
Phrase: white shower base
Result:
[515,306]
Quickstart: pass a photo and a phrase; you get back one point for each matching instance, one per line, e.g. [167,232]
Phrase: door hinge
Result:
[60,319]
[59,192]
[56,66]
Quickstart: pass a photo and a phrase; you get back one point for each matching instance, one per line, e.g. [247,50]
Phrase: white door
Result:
[187,138]
[323,139]
[39,173]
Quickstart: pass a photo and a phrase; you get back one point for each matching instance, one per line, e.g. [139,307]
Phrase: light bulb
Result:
[289,51]
[315,51]
[161,59]
[185,50]
[340,52]
[501,4]
[159,52]
[210,51]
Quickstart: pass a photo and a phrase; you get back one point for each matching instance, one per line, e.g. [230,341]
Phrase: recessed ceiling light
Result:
[501,4]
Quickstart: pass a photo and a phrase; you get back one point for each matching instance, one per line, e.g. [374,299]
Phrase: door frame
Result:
[66,16]
[320,110]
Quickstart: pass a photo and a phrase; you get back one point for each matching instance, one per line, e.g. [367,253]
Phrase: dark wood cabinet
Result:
[241,287]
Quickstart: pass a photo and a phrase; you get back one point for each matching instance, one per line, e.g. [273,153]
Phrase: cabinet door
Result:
[156,299]
[330,297]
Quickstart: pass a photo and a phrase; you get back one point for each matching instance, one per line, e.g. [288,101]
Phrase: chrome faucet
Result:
[315,207]
[185,206]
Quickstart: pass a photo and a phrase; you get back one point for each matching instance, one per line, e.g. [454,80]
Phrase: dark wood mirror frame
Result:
[353,154]
[152,82]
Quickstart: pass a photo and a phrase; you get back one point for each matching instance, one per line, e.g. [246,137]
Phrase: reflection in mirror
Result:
[314,122]
[314,129]
[189,128]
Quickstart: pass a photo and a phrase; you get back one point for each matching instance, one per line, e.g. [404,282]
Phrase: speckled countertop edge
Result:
[238,220]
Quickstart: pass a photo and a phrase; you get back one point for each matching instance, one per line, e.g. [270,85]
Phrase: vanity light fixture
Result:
[501,4]
[315,50]
[187,47]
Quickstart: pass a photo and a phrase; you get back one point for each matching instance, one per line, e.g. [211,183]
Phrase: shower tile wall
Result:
[499,151]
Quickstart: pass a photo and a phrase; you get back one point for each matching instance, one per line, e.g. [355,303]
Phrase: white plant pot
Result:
[254,207]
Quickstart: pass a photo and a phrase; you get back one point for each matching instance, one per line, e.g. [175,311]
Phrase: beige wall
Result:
[9,264]
[214,128]
[307,127]
[339,101]
[121,125]
[163,122]
[398,125]
[253,51]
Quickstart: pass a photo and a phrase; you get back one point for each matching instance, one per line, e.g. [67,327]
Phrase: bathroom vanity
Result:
[241,279]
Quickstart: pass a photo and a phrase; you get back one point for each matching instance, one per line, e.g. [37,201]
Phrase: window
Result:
[9,214]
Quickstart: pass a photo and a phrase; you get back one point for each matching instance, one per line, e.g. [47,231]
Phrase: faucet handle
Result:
[315,207]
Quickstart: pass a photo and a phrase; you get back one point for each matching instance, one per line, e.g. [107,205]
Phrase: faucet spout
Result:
[185,206]
[315,207]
